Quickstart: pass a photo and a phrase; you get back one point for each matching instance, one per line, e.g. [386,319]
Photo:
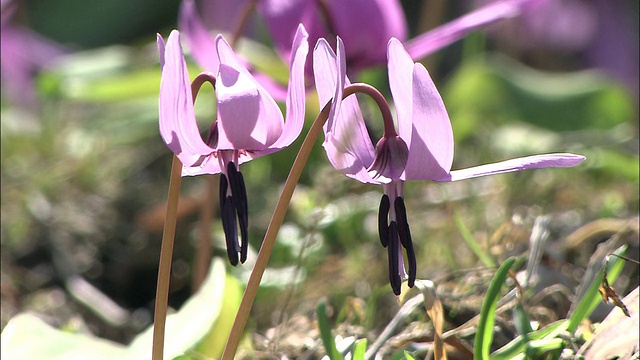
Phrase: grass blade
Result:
[592,296]
[484,334]
[325,333]
[472,243]
[518,345]
[359,349]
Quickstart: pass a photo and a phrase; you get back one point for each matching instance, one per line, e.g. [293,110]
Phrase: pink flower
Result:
[24,54]
[249,123]
[365,25]
[422,148]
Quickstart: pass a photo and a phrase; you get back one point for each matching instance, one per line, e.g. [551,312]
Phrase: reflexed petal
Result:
[329,82]
[296,94]
[282,17]
[274,88]
[178,126]
[365,24]
[161,49]
[248,116]
[423,121]
[431,144]
[446,34]
[524,163]
[200,42]
[347,141]
[203,48]
[223,15]
[209,165]
[400,80]
[346,162]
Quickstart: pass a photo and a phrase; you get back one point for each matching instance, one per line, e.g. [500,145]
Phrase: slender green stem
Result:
[166,254]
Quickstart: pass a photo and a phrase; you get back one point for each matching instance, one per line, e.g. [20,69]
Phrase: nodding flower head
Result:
[249,124]
[421,150]
[390,159]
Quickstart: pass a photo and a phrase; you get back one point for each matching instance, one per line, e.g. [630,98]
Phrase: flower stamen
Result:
[383,220]
[394,263]
[234,212]
[405,238]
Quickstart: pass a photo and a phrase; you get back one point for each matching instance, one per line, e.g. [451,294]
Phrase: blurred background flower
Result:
[580,33]
[24,54]
[84,179]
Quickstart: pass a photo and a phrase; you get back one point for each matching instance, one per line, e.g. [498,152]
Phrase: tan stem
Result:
[278,215]
[272,232]
[244,17]
[166,254]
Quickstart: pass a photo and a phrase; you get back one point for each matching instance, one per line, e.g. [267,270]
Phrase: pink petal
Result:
[364,25]
[296,94]
[203,48]
[524,163]
[329,82]
[400,81]
[200,42]
[210,165]
[282,18]
[347,162]
[178,126]
[431,144]
[248,117]
[423,122]
[347,141]
[223,15]
[446,34]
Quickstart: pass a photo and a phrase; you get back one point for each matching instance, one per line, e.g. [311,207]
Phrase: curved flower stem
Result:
[387,118]
[202,78]
[281,209]
[166,254]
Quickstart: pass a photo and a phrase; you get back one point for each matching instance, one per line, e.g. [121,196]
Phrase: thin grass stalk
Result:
[166,255]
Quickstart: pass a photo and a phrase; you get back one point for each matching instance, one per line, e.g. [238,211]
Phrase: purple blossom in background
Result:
[364,25]
[602,33]
[422,148]
[203,48]
[24,53]
[431,41]
[249,123]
